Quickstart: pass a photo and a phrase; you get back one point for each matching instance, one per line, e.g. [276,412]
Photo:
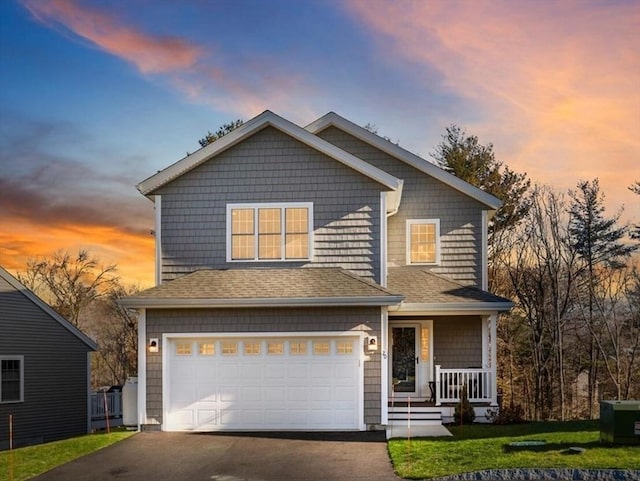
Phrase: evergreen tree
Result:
[597,239]
[465,157]
[598,242]
[464,412]
[223,130]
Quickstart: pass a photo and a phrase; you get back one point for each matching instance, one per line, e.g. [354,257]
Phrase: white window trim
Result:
[276,205]
[411,222]
[14,358]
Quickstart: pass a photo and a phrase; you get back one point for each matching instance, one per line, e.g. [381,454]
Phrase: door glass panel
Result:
[404,359]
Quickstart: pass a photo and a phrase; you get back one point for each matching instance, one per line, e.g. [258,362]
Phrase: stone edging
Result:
[547,475]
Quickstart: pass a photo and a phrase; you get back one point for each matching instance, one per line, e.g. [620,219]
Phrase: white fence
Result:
[449,383]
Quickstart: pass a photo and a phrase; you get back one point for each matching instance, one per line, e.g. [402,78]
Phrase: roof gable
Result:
[334,120]
[254,125]
[30,296]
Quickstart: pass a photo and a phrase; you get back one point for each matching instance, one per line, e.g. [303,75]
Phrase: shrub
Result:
[507,415]
[464,413]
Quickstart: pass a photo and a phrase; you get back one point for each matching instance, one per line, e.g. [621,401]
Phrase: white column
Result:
[384,366]
[494,358]
[486,323]
[142,367]
[438,402]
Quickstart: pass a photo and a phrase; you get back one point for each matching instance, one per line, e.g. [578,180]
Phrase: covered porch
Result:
[441,338]
[425,359]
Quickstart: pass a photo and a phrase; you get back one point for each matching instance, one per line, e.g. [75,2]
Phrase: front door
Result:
[404,359]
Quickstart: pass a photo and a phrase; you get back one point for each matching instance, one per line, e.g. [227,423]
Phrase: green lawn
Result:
[25,463]
[480,447]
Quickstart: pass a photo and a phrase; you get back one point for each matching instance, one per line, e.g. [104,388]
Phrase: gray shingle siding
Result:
[424,197]
[55,373]
[270,166]
[264,320]
[457,342]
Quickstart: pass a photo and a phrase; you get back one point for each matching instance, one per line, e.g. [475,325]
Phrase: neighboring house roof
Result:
[333,119]
[13,282]
[426,291]
[269,119]
[313,286]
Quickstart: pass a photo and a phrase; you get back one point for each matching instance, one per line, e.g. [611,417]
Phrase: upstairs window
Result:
[423,241]
[269,232]
[11,379]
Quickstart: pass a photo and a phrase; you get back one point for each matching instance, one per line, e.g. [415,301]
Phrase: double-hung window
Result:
[269,232]
[11,379]
[423,241]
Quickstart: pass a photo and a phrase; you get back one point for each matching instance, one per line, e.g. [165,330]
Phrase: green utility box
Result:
[620,422]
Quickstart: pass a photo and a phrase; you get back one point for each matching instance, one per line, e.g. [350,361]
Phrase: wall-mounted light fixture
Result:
[153,344]
[372,343]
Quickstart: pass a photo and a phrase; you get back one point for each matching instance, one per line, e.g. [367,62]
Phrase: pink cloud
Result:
[259,86]
[150,54]
[557,83]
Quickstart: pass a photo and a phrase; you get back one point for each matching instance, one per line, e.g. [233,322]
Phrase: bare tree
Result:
[541,267]
[69,283]
[613,323]
[86,292]
[115,329]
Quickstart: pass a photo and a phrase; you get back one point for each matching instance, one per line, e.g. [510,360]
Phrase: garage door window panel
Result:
[344,347]
[298,348]
[184,348]
[206,349]
[321,348]
[275,348]
[252,348]
[229,348]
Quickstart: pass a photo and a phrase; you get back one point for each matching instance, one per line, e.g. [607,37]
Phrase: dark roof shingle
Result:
[287,284]
[420,286]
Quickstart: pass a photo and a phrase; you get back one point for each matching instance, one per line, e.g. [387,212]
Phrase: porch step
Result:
[417,415]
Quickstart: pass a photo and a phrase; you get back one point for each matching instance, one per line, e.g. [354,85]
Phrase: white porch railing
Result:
[479,382]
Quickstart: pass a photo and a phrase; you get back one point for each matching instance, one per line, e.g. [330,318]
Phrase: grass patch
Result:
[479,447]
[25,463]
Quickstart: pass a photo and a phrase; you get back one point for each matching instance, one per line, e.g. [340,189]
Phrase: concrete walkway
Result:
[417,431]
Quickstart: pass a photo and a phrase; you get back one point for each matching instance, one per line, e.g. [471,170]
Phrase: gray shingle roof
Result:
[420,286]
[288,286]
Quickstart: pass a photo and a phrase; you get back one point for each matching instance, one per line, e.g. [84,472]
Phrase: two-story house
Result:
[313,278]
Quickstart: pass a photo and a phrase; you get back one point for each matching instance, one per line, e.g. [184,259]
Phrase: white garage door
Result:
[263,383]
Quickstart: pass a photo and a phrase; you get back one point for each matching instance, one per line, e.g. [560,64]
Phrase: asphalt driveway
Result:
[157,456]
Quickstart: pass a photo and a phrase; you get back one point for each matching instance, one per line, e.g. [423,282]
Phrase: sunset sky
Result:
[96,96]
